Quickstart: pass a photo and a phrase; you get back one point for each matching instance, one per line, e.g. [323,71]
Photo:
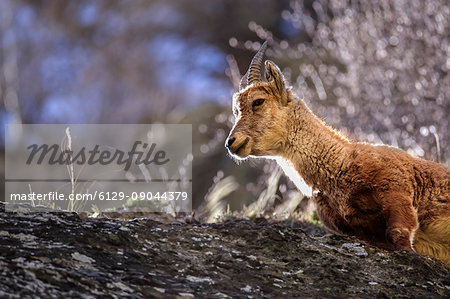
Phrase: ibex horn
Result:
[253,74]
[243,83]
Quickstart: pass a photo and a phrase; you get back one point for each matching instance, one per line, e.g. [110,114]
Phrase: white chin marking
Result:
[290,171]
[237,158]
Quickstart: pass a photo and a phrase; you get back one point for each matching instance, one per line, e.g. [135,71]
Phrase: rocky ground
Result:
[62,255]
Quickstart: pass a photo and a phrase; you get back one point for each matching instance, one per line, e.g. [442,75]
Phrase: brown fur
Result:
[379,194]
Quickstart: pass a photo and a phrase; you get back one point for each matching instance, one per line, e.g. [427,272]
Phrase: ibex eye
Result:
[257,102]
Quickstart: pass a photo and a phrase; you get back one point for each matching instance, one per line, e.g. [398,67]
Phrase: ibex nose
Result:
[230,141]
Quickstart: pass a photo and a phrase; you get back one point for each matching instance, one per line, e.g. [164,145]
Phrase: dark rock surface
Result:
[62,255]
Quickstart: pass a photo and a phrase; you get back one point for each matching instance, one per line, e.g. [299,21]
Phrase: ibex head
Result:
[261,110]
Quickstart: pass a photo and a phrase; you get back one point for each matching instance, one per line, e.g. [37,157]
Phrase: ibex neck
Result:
[316,151]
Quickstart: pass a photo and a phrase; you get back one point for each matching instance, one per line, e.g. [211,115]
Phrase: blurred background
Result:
[376,70]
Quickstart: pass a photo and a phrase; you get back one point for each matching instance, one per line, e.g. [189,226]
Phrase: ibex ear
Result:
[276,80]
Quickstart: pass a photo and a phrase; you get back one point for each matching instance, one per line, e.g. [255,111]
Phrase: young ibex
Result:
[379,194]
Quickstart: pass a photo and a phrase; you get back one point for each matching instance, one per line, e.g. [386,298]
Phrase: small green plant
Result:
[313,218]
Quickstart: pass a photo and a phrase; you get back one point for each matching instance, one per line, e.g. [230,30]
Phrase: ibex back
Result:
[379,194]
